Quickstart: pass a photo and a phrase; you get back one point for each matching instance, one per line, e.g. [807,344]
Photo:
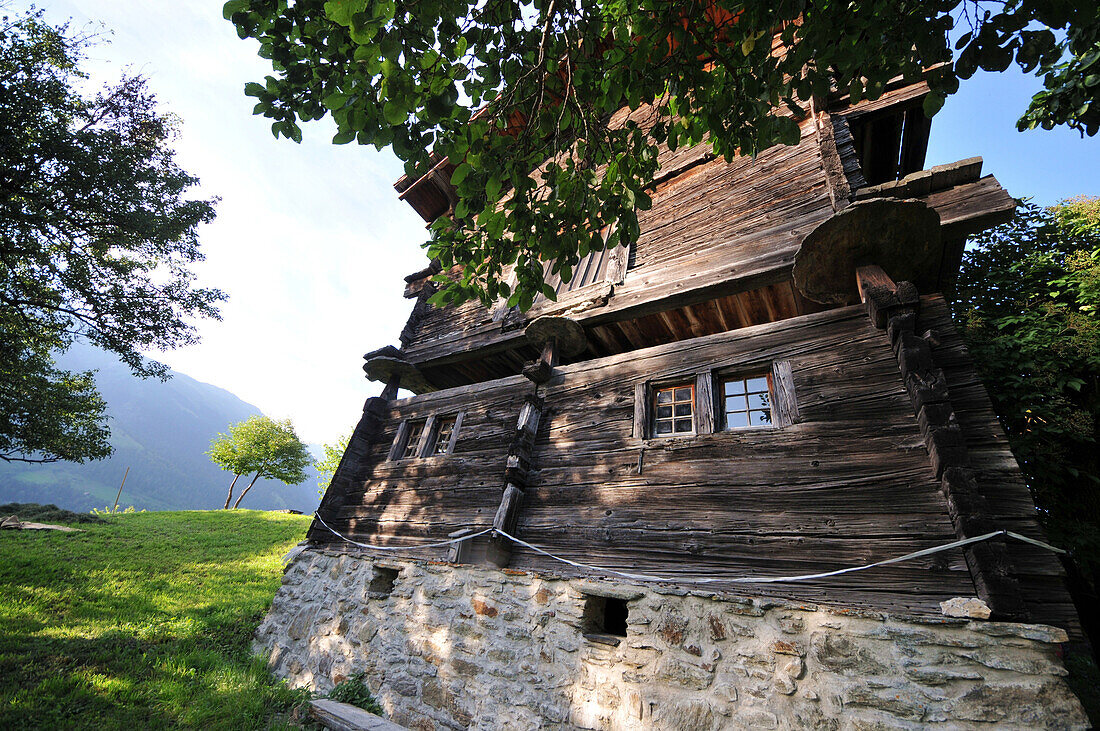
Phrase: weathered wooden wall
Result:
[850,484]
[708,216]
[405,502]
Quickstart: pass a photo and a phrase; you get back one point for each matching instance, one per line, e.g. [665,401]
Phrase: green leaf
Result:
[460,174]
[394,114]
[233,7]
[254,89]
[335,100]
[933,102]
[343,137]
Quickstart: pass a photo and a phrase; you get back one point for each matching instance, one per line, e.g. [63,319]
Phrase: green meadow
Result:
[142,621]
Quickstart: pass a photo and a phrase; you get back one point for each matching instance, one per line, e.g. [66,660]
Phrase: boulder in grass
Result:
[12,522]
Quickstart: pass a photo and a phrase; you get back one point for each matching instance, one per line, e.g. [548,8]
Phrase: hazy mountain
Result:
[161,431]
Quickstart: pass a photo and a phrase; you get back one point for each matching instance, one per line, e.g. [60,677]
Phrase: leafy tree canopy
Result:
[546,76]
[1028,305]
[261,445]
[96,236]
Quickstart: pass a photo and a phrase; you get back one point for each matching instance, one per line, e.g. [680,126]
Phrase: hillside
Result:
[142,621]
[161,431]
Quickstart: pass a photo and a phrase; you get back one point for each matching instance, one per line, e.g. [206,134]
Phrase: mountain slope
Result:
[161,431]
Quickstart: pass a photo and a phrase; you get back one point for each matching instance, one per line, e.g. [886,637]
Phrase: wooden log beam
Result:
[518,465]
[539,371]
[894,308]
[389,393]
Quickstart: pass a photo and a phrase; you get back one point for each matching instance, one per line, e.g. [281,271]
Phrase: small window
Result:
[747,402]
[604,618]
[412,439]
[674,410]
[445,429]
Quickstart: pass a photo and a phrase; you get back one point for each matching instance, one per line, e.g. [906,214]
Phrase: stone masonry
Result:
[454,647]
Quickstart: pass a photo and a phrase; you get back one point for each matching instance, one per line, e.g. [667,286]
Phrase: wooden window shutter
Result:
[786,405]
[398,445]
[641,410]
[704,403]
[454,433]
[427,436]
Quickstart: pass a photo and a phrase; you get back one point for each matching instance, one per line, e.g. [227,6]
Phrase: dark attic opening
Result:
[891,143]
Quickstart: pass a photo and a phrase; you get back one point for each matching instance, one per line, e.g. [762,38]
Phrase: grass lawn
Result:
[143,621]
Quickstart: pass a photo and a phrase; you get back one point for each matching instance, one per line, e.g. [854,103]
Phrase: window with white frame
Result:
[746,401]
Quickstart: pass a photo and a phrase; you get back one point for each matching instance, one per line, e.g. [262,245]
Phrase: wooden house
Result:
[768,383]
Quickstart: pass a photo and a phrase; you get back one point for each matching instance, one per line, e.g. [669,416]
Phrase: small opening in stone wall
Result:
[604,618]
[381,584]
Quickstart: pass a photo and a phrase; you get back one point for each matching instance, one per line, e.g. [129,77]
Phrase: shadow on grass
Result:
[118,681]
[144,622]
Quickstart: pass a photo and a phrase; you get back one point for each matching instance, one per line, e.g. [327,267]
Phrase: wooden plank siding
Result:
[408,502]
[850,484]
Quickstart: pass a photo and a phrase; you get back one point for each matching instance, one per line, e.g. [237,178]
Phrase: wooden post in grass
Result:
[124,476]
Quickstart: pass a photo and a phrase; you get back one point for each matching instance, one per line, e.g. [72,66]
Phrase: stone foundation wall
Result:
[455,647]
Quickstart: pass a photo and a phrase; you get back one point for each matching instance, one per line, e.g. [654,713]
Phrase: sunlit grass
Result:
[142,622]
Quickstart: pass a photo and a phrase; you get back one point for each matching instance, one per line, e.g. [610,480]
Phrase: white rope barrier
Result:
[400,548]
[782,579]
[710,580]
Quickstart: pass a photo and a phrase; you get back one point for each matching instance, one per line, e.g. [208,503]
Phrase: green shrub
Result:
[46,513]
[354,691]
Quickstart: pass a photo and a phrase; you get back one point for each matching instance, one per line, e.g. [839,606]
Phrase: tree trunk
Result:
[245,491]
[230,495]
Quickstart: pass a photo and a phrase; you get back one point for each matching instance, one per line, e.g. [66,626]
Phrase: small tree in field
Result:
[326,466]
[263,446]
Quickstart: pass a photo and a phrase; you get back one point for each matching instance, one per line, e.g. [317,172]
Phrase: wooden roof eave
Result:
[963,209]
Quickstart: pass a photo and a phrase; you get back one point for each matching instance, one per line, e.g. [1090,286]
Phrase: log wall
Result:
[403,502]
[849,484]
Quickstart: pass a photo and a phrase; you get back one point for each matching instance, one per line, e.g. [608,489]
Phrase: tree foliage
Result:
[547,76]
[326,466]
[261,445]
[1028,306]
[96,236]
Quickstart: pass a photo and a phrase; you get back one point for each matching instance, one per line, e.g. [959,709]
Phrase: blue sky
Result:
[312,243]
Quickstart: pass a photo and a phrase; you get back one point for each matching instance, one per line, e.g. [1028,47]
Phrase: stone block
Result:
[895,701]
[684,674]
[971,607]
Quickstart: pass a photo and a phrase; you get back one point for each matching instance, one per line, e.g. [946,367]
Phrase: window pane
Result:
[760,418]
[736,403]
[683,409]
[664,397]
[758,384]
[664,427]
[664,412]
[737,420]
[413,441]
[443,436]
[683,425]
[683,394]
[735,387]
[759,401]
